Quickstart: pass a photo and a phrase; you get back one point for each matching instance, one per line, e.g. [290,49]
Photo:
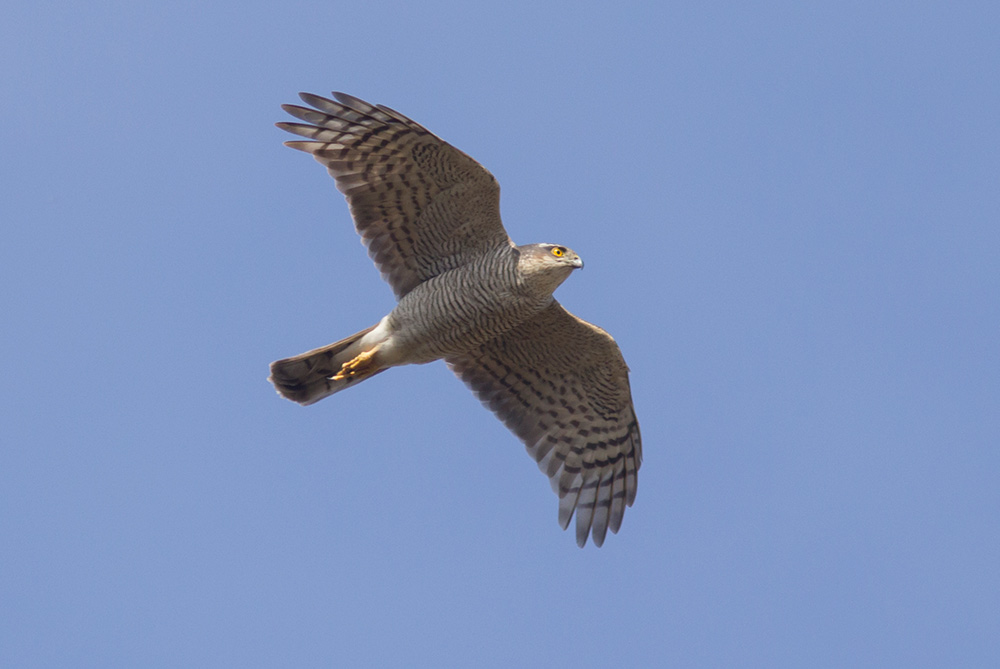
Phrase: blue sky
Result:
[789,214]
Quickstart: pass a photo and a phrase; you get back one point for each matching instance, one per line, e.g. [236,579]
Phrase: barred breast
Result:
[461,309]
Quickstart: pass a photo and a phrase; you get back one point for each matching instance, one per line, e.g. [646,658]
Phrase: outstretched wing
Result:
[422,207]
[561,385]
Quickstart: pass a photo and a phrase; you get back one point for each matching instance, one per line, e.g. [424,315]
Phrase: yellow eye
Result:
[558,251]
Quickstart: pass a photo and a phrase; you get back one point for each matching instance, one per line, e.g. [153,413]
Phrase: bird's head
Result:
[547,265]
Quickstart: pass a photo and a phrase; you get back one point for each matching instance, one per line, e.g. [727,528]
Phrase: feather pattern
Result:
[421,206]
[561,385]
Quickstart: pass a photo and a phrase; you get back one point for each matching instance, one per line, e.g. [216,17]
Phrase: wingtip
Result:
[344,98]
[582,532]
[305,147]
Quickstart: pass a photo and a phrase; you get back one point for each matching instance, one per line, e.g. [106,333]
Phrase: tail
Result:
[309,377]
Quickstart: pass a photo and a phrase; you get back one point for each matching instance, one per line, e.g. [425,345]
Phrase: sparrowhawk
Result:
[430,217]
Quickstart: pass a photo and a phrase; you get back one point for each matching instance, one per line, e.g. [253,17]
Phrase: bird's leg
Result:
[359,365]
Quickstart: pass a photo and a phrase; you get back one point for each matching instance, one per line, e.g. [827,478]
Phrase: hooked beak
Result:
[577,263]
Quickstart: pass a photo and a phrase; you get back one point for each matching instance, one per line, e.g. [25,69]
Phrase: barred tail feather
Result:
[308,378]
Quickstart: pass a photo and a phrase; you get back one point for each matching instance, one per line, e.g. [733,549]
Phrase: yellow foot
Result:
[357,366]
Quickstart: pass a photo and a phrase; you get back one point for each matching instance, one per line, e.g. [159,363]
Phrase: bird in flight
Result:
[430,217]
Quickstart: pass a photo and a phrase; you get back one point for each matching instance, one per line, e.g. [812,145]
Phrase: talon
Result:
[355,366]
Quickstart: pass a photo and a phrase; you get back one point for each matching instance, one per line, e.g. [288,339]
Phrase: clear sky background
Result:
[790,216]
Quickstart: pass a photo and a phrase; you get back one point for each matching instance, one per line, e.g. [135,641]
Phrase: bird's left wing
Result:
[421,206]
[561,385]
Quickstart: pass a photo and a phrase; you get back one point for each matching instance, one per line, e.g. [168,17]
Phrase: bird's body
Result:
[429,215]
[471,308]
